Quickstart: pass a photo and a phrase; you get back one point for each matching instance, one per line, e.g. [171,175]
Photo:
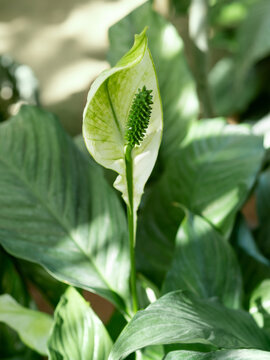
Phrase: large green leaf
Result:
[211,174]
[215,169]
[179,317]
[204,263]
[57,209]
[177,88]
[77,334]
[106,118]
[33,326]
[245,354]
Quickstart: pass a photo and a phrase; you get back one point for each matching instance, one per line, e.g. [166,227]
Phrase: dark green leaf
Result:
[262,234]
[179,317]
[57,209]
[246,242]
[78,334]
[254,265]
[204,263]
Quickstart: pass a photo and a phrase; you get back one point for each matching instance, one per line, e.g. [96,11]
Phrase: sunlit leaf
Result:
[223,88]
[260,305]
[33,326]
[77,334]
[57,209]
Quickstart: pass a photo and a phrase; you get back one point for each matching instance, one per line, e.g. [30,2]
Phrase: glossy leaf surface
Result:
[179,317]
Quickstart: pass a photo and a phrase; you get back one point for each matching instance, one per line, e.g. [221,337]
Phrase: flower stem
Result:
[131,226]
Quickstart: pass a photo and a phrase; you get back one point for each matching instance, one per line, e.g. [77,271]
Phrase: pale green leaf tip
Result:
[140,38]
[140,42]
[142,34]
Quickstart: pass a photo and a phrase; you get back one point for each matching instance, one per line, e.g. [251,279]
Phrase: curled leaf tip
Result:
[139,117]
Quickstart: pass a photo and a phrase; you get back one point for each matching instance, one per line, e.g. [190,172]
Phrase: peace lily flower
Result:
[106,115]
[122,124]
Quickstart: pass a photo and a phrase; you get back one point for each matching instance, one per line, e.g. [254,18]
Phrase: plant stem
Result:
[131,226]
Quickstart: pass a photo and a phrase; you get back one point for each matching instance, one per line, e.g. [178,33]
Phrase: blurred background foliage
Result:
[66,43]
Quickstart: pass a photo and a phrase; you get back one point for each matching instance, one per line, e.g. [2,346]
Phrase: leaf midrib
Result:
[54,215]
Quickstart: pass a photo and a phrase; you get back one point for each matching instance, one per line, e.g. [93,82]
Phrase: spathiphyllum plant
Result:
[122,129]
[183,257]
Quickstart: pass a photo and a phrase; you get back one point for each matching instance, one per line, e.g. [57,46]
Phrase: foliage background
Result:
[66,45]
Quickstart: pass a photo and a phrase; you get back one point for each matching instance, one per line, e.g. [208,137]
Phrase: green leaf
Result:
[179,317]
[260,305]
[211,175]
[77,334]
[247,243]
[224,90]
[177,87]
[106,118]
[245,354]
[256,45]
[216,168]
[204,263]
[12,282]
[57,209]
[33,326]
[255,267]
